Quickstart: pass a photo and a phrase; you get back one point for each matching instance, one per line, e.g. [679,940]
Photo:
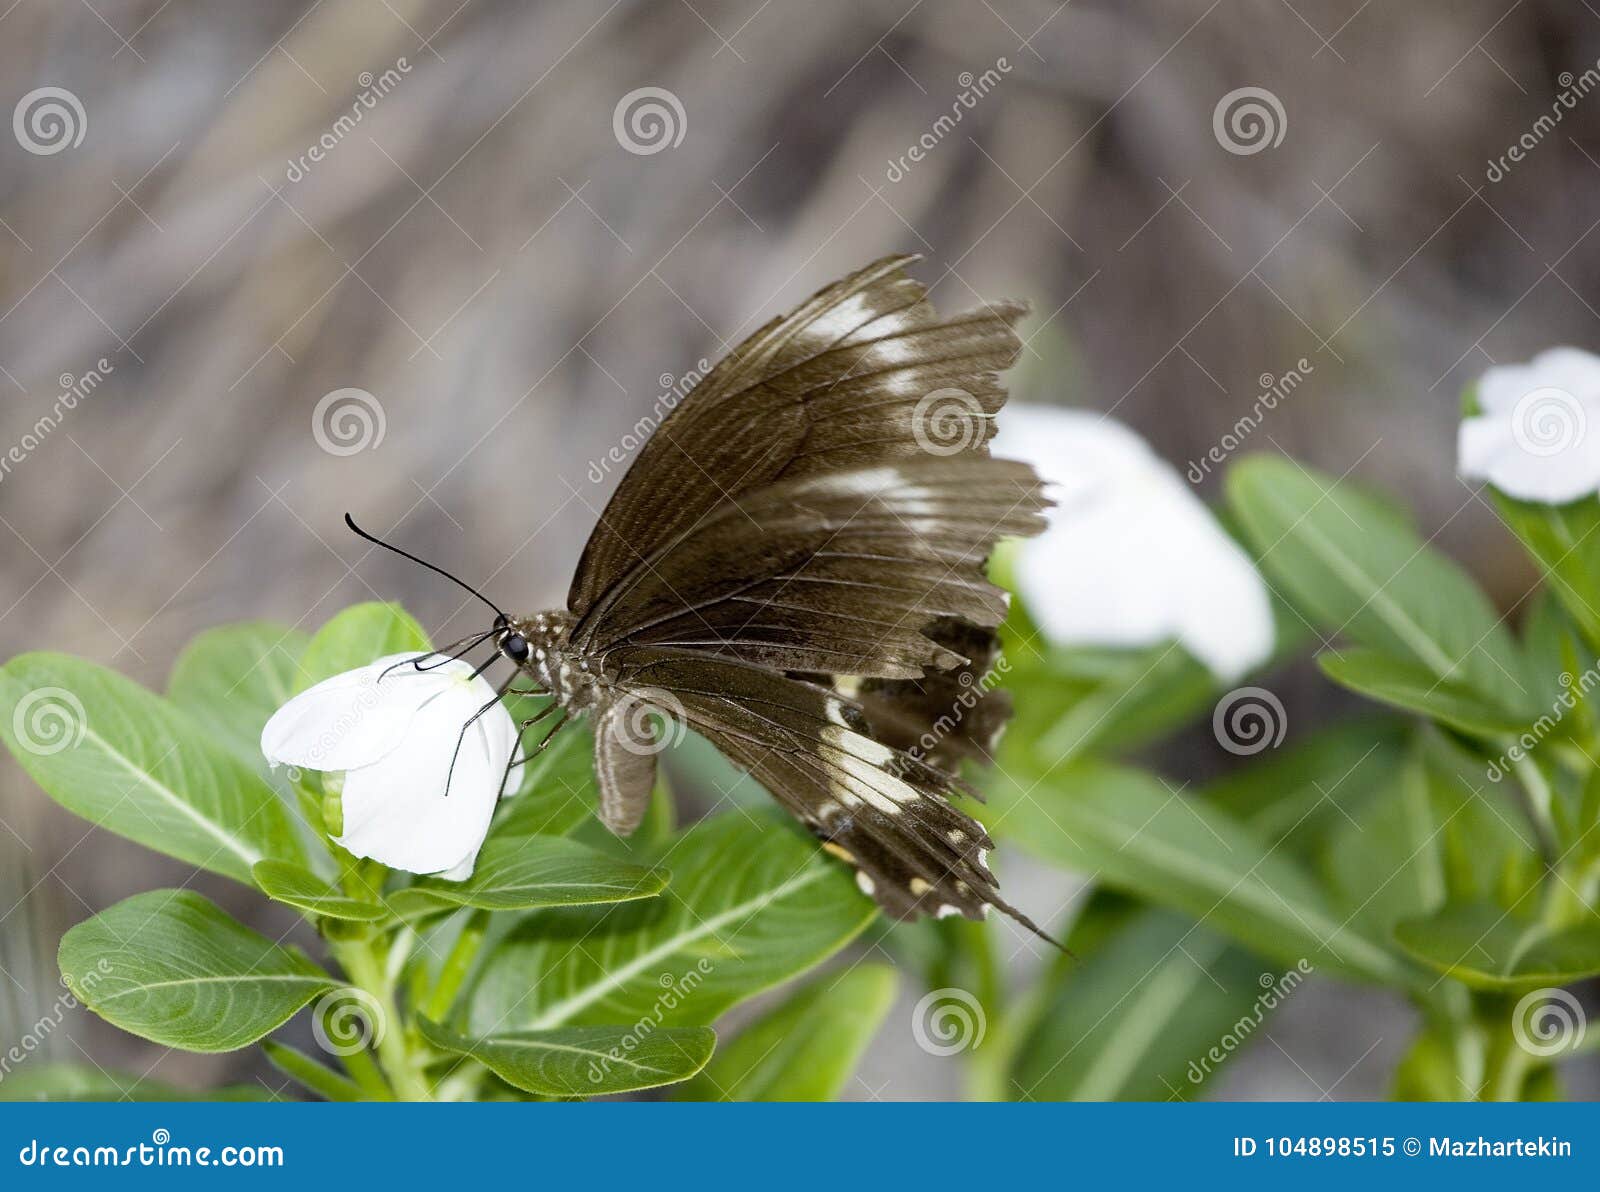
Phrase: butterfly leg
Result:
[500,694]
[544,742]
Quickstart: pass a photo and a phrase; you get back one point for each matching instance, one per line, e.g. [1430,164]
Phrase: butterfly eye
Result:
[515,647]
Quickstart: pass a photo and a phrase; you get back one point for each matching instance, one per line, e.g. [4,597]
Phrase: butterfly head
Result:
[512,644]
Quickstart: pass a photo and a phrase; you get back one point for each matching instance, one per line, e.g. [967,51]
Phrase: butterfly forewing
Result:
[832,386]
[837,573]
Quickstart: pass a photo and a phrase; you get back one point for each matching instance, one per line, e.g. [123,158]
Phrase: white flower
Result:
[1131,556]
[394,737]
[1533,438]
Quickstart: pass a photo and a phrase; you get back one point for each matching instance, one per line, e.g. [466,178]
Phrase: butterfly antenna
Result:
[376,541]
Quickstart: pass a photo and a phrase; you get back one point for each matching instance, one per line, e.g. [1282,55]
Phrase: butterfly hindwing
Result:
[883,811]
[943,716]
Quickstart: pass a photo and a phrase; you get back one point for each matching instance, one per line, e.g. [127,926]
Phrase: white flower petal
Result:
[462,870]
[1225,619]
[1538,437]
[1570,370]
[1132,556]
[397,811]
[350,720]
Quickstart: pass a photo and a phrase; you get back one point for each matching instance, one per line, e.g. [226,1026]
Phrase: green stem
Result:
[1510,1070]
[365,1072]
[364,966]
[456,966]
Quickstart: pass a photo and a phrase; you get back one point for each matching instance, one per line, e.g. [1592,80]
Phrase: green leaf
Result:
[127,760]
[1141,836]
[1075,701]
[1405,685]
[1549,640]
[588,1061]
[169,966]
[310,1073]
[806,1049]
[517,871]
[297,886]
[1565,541]
[1352,566]
[230,681]
[1487,947]
[1485,844]
[81,1082]
[1294,796]
[360,634]
[1383,863]
[1150,1014]
[752,903]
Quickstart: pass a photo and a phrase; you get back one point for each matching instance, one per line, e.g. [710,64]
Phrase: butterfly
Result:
[793,567]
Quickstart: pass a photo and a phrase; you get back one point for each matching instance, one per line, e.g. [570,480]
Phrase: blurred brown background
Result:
[484,256]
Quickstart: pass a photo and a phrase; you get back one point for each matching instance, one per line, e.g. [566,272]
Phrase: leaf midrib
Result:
[1116,1058]
[561,1011]
[248,855]
[512,1042]
[1213,877]
[228,978]
[1349,571]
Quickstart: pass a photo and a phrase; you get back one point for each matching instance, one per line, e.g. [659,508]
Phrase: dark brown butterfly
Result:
[794,568]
